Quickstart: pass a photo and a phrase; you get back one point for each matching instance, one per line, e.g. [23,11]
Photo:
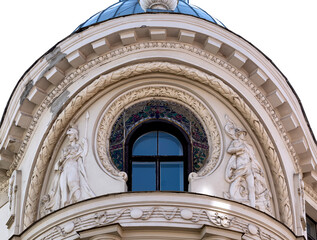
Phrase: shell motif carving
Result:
[158,4]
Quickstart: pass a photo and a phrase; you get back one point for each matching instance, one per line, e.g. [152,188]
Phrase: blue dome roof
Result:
[130,7]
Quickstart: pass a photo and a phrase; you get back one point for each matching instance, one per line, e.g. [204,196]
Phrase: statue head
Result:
[73,133]
[240,133]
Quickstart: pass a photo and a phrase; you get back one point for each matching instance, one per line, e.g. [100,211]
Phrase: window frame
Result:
[310,237]
[164,126]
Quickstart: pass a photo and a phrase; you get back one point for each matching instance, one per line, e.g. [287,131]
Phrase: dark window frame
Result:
[310,237]
[158,125]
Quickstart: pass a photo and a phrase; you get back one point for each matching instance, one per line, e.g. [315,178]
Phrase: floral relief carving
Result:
[134,70]
[215,218]
[162,214]
[244,172]
[104,130]
[253,231]
[117,53]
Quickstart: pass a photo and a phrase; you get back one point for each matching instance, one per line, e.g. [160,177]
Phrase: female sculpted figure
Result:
[244,172]
[70,183]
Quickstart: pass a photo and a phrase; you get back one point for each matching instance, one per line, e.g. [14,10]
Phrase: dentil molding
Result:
[133,48]
[106,80]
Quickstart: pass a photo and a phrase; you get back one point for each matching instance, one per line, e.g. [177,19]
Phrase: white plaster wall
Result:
[4,217]
[103,183]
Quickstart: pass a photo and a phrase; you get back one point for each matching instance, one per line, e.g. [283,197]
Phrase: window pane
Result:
[311,228]
[169,145]
[146,145]
[143,176]
[172,176]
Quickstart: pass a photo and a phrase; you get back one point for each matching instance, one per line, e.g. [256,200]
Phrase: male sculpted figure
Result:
[244,172]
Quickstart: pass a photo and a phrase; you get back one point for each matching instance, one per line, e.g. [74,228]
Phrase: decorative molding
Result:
[158,4]
[125,50]
[140,214]
[215,218]
[104,81]
[310,192]
[161,215]
[252,231]
[111,114]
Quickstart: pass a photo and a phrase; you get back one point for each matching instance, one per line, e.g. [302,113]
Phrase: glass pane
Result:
[169,145]
[146,145]
[143,176]
[311,228]
[172,176]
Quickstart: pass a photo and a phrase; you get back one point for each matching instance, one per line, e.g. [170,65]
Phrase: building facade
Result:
[153,121]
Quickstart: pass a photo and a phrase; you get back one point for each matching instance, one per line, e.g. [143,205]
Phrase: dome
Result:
[130,7]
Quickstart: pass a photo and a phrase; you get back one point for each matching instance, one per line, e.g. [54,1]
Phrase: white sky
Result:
[284,30]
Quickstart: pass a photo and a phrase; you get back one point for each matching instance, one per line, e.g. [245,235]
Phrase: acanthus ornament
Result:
[121,52]
[136,70]
[104,129]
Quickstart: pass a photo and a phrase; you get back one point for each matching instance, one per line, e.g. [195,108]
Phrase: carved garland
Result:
[87,93]
[169,215]
[175,215]
[104,130]
[117,53]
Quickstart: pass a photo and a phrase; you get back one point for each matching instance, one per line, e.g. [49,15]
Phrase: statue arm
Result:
[236,147]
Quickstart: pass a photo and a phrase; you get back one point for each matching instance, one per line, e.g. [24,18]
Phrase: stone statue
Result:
[14,197]
[70,183]
[244,172]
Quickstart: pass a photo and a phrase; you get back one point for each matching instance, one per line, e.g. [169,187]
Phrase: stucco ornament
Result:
[78,101]
[14,198]
[158,4]
[70,183]
[244,172]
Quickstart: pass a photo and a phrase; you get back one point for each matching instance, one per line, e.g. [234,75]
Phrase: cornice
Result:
[143,209]
[106,80]
[85,38]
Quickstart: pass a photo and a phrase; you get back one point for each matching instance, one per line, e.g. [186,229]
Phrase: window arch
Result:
[158,115]
[158,157]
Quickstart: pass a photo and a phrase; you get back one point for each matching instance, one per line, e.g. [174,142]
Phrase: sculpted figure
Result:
[244,173]
[70,183]
[12,193]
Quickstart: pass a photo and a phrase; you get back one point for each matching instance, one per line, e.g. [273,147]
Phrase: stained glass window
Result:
[159,110]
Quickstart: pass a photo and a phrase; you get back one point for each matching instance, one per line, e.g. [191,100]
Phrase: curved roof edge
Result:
[226,29]
[132,7]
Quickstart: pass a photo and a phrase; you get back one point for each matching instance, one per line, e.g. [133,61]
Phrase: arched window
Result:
[157,154]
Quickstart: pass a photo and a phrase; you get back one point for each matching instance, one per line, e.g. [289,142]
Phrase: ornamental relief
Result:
[159,214]
[70,182]
[113,111]
[121,52]
[210,154]
[244,172]
[158,109]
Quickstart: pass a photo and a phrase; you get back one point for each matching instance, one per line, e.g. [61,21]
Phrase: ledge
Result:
[157,209]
